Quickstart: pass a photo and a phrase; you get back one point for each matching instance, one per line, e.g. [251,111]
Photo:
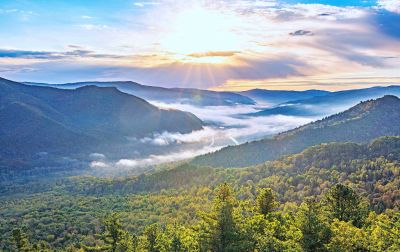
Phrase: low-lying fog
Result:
[225,125]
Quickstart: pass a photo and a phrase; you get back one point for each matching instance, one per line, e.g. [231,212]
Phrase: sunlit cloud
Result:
[212,44]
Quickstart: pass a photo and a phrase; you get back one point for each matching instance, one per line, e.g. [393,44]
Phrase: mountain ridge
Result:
[363,122]
[191,96]
[45,119]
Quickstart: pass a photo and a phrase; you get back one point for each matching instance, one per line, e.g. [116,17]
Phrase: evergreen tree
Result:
[218,230]
[266,201]
[315,230]
[344,204]
[113,231]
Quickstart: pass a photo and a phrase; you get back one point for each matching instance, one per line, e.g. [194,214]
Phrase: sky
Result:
[217,45]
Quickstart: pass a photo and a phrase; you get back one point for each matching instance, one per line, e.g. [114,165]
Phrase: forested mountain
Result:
[330,197]
[372,168]
[44,119]
[328,103]
[274,97]
[361,123]
[168,95]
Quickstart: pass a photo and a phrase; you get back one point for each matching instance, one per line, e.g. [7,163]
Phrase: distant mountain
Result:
[361,123]
[168,95]
[45,119]
[329,103]
[274,97]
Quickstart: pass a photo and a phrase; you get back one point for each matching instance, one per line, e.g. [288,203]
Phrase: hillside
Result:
[168,95]
[44,119]
[360,123]
[294,177]
[72,210]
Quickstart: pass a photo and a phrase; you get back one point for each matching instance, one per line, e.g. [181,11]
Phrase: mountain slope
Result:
[329,103]
[167,95]
[361,123]
[370,168]
[44,119]
[274,97]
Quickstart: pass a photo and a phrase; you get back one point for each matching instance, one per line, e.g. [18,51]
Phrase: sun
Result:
[198,35]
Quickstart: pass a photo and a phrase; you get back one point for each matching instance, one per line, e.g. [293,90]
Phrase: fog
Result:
[225,125]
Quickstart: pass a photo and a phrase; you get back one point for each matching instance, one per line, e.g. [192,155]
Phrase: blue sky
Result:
[231,45]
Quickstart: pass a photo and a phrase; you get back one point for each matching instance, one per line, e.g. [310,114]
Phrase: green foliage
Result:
[314,228]
[20,241]
[266,201]
[344,204]
[190,208]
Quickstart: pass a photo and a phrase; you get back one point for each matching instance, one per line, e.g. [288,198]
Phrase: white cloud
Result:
[159,159]
[143,4]
[86,17]
[91,27]
[99,164]
[97,156]
[390,5]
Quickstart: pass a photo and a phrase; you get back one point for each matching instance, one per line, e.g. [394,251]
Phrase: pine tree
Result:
[344,204]
[266,201]
[315,230]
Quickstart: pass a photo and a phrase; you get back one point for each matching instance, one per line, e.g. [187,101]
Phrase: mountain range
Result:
[328,103]
[361,123]
[44,119]
[275,97]
[191,96]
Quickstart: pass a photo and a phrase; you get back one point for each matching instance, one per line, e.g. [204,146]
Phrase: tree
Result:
[315,230]
[218,229]
[151,234]
[266,201]
[113,231]
[114,237]
[20,241]
[384,232]
[346,237]
[344,204]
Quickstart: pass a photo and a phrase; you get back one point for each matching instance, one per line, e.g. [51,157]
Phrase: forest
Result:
[340,221]
[330,197]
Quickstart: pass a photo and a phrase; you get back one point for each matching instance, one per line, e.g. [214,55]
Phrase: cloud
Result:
[86,17]
[352,41]
[99,164]
[143,4]
[390,5]
[97,156]
[301,33]
[176,74]
[45,55]
[166,158]
[91,27]
[228,126]
[213,54]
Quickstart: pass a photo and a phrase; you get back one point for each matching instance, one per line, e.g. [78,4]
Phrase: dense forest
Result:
[340,221]
[330,197]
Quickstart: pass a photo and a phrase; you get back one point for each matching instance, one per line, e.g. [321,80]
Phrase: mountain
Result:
[329,103]
[191,96]
[45,119]
[360,123]
[274,97]
[295,176]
